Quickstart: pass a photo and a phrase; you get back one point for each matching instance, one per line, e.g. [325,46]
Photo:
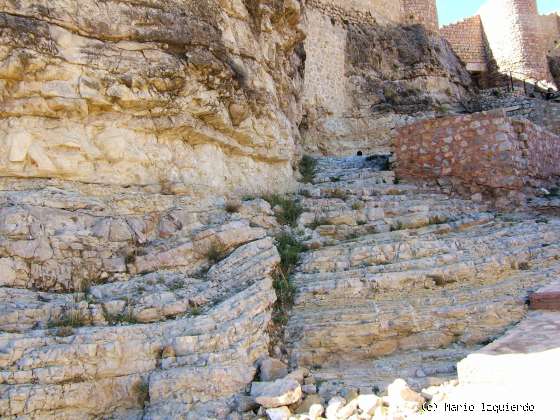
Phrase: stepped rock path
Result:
[404,281]
[129,304]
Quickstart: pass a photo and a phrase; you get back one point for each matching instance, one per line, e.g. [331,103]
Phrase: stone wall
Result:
[181,95]
[381,11]
[423,12]
[550,29]
[479,153]
[468,41]
[516,38]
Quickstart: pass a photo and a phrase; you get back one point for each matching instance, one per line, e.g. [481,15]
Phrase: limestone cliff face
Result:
[376,78]
[185,95]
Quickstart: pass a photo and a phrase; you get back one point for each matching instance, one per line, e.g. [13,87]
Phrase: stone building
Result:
[507,37]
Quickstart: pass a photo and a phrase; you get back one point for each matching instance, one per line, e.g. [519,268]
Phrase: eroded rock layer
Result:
[123,304]
[181,95]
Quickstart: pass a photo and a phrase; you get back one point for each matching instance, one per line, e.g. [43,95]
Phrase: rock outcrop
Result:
[183,96]
[123,304]
[377,77]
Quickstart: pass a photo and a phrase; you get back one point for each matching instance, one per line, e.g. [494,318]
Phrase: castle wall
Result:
[515,36]
[358,11]
[325,46]
[467,39]
[550,29]
[421,11]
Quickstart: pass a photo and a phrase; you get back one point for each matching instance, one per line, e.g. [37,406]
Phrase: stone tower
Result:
[421,11]
[514,34]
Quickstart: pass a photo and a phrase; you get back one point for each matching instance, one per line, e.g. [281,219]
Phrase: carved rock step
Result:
[394,248]
[363,326]
[422,368]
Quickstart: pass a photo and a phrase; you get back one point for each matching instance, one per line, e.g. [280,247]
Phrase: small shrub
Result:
[233,207]
[362,222]
[247,198]
[307,168]
[524,266]
[290,209]
[216,253]
[335,178]
[396,181]
[176,285]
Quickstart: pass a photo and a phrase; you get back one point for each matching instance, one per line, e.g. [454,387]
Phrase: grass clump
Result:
[72,318]
[307,168]
[437,220]
[339,193]
[125,317]
[318,221]
[358,205]
[196,310]
[289,249]
[142,390]
[397,226]
[233,206]
[216,252]
[290,209]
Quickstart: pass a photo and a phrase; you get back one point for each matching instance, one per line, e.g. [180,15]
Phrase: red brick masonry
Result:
[547,298]
[482,152]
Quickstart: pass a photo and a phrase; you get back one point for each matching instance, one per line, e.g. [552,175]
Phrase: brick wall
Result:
[467,39]
[421,11]
[485,152]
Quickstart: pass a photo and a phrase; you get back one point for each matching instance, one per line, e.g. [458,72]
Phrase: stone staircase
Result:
[404,281]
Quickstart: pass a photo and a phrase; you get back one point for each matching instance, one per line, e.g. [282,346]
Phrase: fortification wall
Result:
[467,39]
[360,11]
[550,30]
[325,45]
[421,11]
[513,32]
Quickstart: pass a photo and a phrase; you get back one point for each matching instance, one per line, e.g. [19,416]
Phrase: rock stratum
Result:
[122,304]
[179,95]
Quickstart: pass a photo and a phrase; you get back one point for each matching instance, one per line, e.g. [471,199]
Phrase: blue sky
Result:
[454,10]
